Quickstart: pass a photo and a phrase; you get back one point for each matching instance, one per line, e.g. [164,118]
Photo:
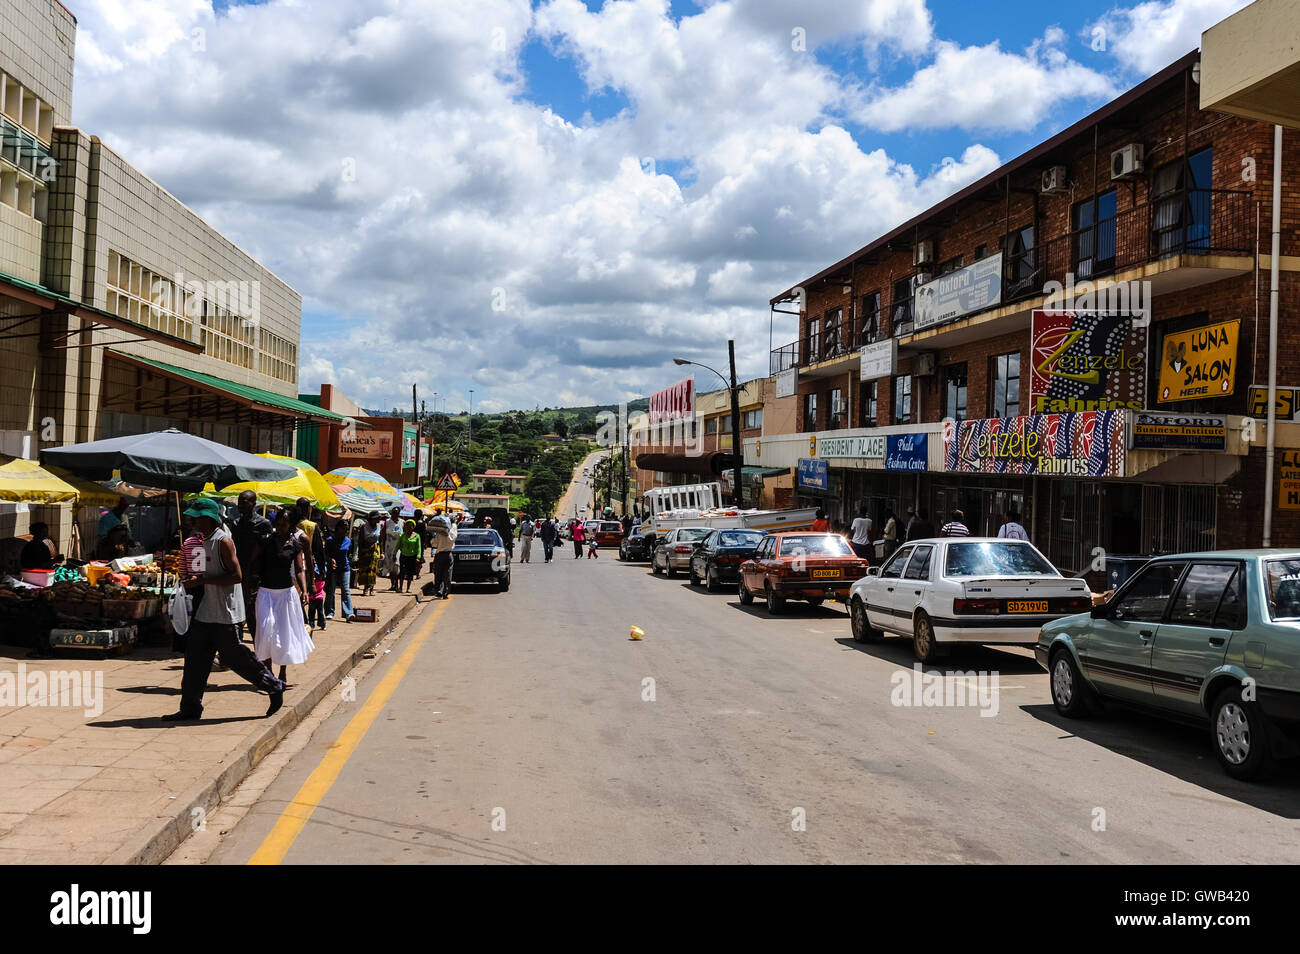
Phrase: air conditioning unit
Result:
[1054,180]
[927,363]
[1126,161]
[924,253]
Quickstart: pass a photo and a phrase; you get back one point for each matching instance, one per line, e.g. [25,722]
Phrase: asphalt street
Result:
[525,731]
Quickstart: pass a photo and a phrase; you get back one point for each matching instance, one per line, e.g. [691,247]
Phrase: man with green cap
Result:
[216,623]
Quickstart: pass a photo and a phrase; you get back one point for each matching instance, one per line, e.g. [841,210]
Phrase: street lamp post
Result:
[737,449]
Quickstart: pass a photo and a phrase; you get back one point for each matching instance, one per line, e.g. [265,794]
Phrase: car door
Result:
[1115,652]
[700,558]
[1207,608]
[886,590]
[916,582]
[751,571]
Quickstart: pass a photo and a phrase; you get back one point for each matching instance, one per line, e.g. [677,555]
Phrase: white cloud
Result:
[985,87]
[1149,36]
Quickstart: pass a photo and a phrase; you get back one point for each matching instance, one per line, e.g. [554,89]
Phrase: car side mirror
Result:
[873,571]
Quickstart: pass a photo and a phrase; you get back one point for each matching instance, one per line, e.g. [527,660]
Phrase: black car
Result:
[480,557]
[718,556]
[635,547]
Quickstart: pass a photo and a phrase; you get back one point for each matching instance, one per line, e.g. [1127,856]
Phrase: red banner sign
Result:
[676,403]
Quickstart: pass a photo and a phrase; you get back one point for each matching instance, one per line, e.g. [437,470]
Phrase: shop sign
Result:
[1193,432]
[813,474]
[1086,361]
[958,293]
[870,446]
[878,360]
[786,382]
[1084,444]
[371,445]
[424,460]
[907,452]
[1288,468]
[408,447]
[1200,362]
[1286,402]
[676,403]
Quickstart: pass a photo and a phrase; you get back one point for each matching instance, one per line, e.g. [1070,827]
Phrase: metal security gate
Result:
[1179,519]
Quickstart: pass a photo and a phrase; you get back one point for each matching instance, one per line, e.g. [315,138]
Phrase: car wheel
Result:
[1070,694]
[862,631]
[746,597]
[1241,736]
[711,581]
[775,604]
[924,645]
[503,585]
[654,566]
[672,572]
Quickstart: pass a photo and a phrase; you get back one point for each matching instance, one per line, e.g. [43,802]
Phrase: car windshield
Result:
[739,538]
[477,538]
[693,533]
[815,544]
[1284,589]
[995,559]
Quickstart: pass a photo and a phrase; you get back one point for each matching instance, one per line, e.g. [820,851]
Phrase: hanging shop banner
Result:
[878,360]
[786,382]
[1085,444]
[676,403]
[907,452]
[1287,402]
[371,444]
[1086,361]
[813,474]
[1200,362]
[871,447]
[958,293]
[1193,432]
[1288,469]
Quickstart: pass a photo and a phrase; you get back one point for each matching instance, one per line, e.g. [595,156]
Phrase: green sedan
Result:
[1212,638]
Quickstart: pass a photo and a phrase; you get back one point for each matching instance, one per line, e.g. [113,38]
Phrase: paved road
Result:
[532,702]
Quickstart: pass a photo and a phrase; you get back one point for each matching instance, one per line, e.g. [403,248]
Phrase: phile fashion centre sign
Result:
[1086,444]
[1086,361]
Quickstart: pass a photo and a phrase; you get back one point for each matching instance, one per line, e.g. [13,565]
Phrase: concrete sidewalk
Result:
[121,786]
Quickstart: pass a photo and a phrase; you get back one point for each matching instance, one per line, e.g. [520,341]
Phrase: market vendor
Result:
[41,553]
[117,543]
[116,517]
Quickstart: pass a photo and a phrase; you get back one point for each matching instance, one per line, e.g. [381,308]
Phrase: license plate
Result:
[1026,606]
[470,556]
[825,574]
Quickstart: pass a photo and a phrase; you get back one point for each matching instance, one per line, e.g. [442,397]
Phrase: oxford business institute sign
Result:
[959,293]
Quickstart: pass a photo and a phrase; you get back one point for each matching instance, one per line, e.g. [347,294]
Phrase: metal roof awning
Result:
[256,400]
[709,464]
[53,303]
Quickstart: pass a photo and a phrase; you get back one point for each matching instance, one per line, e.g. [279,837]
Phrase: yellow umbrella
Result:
[89,493]
[366,480]
[307,482]
[25,481]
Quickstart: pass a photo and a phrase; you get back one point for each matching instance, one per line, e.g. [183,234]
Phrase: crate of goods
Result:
[117,637]
[38,577]
[127,608]
[87,608]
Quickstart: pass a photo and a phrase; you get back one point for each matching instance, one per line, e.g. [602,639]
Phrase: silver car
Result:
[674,550]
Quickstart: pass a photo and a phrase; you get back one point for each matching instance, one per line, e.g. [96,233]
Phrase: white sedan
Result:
[971,590]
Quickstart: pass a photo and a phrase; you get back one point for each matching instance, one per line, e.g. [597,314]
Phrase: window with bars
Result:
[138,294]
[1004,380]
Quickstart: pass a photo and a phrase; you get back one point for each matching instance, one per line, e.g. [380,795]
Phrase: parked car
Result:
[718,556]
[799,566]
[971,590]
[674,549]
[1211,638]
[609,533]
[635,546]
[480,557]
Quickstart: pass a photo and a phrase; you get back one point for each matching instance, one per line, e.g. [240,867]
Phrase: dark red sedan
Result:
[800,566]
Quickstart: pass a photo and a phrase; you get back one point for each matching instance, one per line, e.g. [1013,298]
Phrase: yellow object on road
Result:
[637,632]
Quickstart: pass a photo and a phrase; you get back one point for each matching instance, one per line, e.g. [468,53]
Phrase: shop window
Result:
[868,404]
[1094,236]
[810,412]
[954,391]
[753,420]
[870,318]
[710,425]
[1181,192]
[903,399]
[1004,377]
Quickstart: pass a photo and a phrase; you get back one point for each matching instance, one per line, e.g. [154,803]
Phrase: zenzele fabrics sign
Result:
[1086,361]
[1085,444]
[872,446]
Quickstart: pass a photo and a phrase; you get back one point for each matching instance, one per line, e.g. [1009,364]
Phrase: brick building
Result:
[920,369]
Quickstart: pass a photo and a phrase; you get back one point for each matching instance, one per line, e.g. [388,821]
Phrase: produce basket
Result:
[127,609]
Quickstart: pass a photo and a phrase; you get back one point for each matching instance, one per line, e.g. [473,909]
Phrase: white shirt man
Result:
[1012,530]
[861,529]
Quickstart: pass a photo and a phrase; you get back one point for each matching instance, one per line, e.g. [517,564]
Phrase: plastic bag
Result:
[179,610]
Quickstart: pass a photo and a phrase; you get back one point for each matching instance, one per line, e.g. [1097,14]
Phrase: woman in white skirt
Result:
[282,638]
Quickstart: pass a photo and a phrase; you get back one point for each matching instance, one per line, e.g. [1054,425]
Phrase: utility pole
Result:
[415,419]
[737,496]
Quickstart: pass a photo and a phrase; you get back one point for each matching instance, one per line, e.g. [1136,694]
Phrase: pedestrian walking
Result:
[1011,528]
[316,609]
[526,531]
[821,524]
[249,532]
[579,537]
[388,539]
[919,527]
[891,533]
[368,554]
[592,548]
[861,540]
[215,627]
[410,549]
[548,533]
[956,527]
[338,553]
[422,528]
[281,635]
[444,541]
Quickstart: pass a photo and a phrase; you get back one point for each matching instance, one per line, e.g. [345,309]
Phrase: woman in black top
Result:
[281,638]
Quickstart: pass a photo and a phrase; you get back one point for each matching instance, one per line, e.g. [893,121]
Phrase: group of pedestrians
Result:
[546,530]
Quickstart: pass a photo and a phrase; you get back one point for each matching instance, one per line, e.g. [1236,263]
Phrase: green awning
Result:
[243,393]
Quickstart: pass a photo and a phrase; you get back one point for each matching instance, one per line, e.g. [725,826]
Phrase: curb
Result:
[152,844]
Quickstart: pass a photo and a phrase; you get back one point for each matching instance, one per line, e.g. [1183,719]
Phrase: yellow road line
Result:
[297,813]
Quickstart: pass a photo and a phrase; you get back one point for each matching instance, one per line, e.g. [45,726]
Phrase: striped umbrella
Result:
[361,479]
[306,482]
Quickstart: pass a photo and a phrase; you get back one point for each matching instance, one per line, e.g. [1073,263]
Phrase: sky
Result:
[547,202]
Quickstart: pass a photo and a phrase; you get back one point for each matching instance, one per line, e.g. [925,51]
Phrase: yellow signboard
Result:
[1288,468]
[1200,362]
[1287,403]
